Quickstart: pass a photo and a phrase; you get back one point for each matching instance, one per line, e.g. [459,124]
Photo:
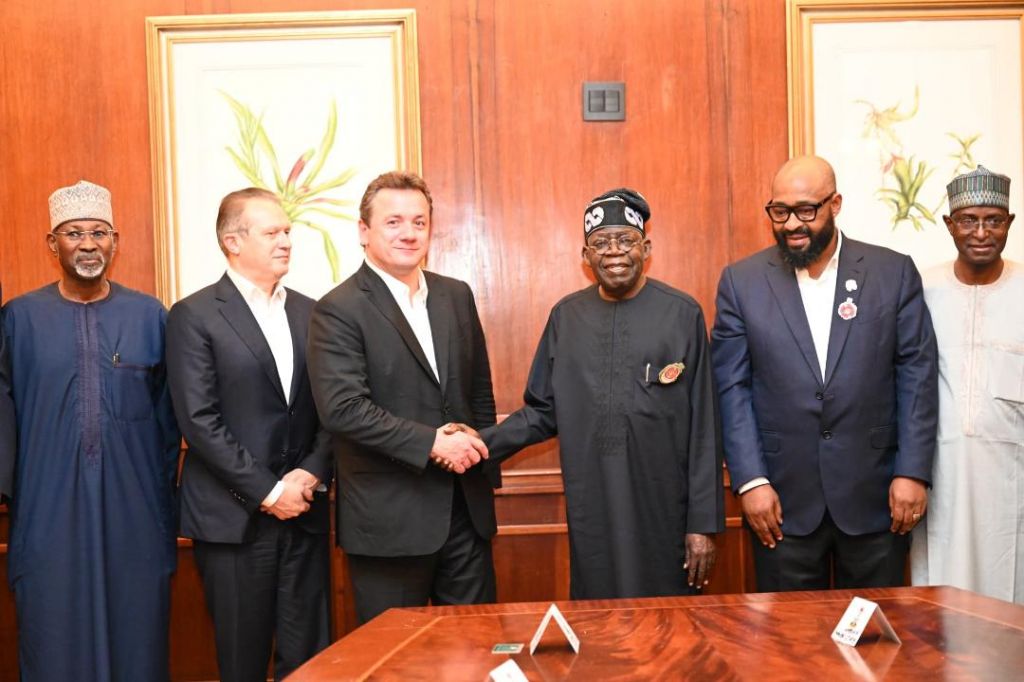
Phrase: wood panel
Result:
[509,160]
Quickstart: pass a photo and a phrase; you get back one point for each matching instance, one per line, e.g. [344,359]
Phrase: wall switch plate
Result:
[604,101]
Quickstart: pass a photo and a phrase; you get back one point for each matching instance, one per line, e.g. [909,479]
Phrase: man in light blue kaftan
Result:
[92,518]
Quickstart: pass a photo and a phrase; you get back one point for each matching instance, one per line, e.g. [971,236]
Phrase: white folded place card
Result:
[563,625]
[858,614]
[508,671]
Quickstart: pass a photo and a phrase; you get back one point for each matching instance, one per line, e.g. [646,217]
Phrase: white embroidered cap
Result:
[81,201]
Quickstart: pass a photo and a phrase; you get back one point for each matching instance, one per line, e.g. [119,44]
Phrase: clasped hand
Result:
[457,448]
[299,486]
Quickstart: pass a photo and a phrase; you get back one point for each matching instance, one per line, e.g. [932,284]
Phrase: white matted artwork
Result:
[311,106]
[901,97]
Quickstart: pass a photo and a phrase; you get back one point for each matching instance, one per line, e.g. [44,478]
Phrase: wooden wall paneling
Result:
[193,653]
[8,616]
[754,53]
[531,550]
[74,106]
[509,159]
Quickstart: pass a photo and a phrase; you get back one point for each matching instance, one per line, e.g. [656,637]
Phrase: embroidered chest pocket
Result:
[659,389]
[132,390]
[1004,420]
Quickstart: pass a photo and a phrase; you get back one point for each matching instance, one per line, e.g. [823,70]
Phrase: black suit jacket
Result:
[243,434]
[835,441]
[379,399]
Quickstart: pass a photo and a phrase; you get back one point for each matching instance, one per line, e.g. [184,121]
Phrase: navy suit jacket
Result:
[243,433]
[836,441]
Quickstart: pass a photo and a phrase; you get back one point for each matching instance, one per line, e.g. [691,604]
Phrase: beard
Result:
[93,269]
[817,243]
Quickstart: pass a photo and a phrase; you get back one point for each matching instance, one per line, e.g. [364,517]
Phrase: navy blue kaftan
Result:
[92,521]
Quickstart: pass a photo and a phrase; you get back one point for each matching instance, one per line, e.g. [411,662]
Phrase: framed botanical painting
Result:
[901,97]
[311,106]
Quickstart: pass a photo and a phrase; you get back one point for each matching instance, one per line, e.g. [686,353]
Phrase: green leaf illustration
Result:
[298,197]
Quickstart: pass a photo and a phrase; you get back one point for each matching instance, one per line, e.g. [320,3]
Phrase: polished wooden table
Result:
[947,634]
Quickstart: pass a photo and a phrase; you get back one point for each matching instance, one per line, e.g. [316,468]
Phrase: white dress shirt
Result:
[414,308]
[273,322]
[818,296]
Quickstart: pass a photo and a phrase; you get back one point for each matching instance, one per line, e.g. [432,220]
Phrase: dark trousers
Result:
[461,572]
[828,558]
[269,594]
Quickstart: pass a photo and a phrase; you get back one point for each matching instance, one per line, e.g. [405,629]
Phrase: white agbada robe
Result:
[973,533]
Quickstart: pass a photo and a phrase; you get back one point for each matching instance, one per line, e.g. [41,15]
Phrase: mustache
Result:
[801,231]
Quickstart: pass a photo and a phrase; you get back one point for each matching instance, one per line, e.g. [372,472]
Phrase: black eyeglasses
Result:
[76,236]
[969,223]
[805,213]
[603,245]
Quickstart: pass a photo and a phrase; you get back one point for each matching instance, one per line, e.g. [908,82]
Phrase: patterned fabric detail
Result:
[980,187]
[81,201]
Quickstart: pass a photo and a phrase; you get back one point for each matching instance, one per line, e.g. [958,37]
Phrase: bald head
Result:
[803,209]
[811,175]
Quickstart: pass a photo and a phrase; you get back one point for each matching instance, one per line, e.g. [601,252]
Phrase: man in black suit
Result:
[390,365]
[253,493]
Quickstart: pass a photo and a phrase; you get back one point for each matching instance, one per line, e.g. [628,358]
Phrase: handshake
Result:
[457,448]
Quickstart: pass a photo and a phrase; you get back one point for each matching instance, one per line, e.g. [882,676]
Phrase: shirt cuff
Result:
[752,483]
[275,494]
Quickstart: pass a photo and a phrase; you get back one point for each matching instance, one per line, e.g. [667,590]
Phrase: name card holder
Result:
[858,614]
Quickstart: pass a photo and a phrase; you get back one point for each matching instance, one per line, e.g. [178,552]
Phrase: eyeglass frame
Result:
[616,239]
[78,236]
[985,223]
[792,210]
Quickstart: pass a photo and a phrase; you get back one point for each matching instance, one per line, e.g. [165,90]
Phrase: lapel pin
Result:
[670,373]
[847,309]
[851,285]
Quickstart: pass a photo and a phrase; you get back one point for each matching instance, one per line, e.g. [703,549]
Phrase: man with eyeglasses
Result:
[622,376]
[92,518]
[973,534]
[825,363]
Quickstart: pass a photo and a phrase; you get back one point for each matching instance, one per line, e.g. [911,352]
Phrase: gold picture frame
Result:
[900,97]
[311,105]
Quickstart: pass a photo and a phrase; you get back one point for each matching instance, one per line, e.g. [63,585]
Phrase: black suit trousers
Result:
[829,558]
[461,572]
[271,594]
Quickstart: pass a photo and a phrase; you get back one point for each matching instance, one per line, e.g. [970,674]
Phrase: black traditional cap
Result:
[620,207]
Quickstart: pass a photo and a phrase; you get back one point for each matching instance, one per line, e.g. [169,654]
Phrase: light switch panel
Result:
[604,101]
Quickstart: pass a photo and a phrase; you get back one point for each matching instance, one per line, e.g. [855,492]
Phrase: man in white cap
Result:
[622,375]
[92,520]
[973,534]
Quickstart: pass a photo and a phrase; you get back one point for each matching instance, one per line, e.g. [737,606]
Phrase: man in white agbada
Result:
[973,534]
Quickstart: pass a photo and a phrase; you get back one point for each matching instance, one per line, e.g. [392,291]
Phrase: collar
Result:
[252,293]
[398,288]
